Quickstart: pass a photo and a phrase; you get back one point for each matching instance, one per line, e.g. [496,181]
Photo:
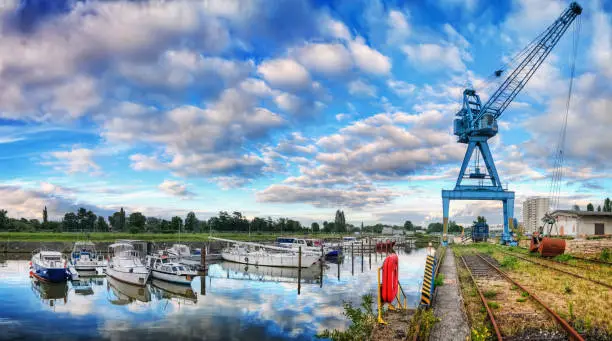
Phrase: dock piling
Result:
[299,269]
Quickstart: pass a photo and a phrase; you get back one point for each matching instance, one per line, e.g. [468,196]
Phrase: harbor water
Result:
[232,302]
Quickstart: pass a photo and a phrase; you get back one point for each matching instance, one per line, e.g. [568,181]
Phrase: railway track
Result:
[484,271]
[541,261]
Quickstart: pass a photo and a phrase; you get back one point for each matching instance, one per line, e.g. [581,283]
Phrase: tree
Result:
[191,222]
[136,222]
[101,224]
[314,227]
[340,222]
[435,227]
[453,227]
[153,225]
[480,219]
[117,221]
[408,225]
[4,221]
[176,224]
[45,215]
[590,207]
[607,205]
[576,208]
[598,208]
[71,222]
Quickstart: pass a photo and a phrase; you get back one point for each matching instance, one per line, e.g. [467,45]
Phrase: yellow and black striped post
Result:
[428,281]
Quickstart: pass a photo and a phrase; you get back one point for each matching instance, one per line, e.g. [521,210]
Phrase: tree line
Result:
[607,207]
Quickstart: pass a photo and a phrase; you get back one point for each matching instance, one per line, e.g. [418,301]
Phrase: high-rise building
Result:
[534,209]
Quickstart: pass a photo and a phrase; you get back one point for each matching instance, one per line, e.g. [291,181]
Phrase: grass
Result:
[563,258]
[488,294]
[509,262]
[521,299]
[424,320]
[605,255]
[154,237]
[439,281]
[493,305]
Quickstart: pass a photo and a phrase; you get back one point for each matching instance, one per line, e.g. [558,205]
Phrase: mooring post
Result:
[203,285]
[352,258]
[299,268]
[362,255]
[339,267]
[370,251]
[322,260]
[203,259]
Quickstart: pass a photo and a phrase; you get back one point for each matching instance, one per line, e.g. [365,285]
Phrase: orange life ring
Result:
[390,280]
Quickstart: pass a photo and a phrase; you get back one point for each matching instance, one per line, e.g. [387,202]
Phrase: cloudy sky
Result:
[287,108]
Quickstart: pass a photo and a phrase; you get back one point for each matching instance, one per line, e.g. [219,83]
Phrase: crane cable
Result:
[559,157]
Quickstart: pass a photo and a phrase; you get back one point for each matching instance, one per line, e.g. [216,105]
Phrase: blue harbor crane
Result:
[476,123]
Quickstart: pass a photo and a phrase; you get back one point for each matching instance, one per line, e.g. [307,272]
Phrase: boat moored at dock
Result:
[50,266]
[125,265]
[165,268]
[267,255]
[84,257]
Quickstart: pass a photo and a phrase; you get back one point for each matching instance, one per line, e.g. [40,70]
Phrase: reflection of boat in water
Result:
[166,290]
[50,293]
[127,293]
[269,273]
[82,287]
[266,255]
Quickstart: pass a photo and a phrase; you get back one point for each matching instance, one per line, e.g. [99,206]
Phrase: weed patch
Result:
[493,305]
[521,299]
[564,258]
[489,294]
[425,320]
[605,255]
[509,262]
[439,281]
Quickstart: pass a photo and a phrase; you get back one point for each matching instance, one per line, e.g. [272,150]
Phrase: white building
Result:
[534,209]
[582,223]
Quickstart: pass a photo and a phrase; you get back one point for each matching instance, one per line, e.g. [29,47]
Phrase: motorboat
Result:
[51,266]
[181,253]
[85,258]
[263,255]
[165,268]
[310,245]
[125,265]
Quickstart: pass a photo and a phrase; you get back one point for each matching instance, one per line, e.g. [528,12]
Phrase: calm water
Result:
[232,302]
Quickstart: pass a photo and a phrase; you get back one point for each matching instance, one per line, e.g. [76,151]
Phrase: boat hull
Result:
[53,275]
[135,278]
[272,259]
[172,278]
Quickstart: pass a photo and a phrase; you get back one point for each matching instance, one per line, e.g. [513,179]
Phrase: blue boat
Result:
[50,266]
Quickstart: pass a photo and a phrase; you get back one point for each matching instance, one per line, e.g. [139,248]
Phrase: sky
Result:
[289,108]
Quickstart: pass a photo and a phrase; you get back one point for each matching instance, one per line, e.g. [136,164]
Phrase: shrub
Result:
[605,255]
[509,262]
[425,320]
[363,322]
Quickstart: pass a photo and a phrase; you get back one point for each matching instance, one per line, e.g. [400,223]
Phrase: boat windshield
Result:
[285,240]
[52,258]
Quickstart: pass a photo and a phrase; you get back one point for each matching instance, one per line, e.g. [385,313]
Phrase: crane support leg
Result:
[445,206]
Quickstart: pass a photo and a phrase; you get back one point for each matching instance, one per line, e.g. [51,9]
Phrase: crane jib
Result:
[472,114]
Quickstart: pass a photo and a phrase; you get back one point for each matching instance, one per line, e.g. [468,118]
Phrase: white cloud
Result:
[399,28]
[368,59]
[77,160]
[601,49]
[401,88]
[361,88]
[329,59]
[435,57]
[175,188]
[335,29]
[284,73]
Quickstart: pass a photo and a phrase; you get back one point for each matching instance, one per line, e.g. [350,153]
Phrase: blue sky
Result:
[287,108]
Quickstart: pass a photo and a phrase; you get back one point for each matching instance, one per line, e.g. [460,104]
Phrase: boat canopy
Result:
[50,253]
[121,245]
[85,243]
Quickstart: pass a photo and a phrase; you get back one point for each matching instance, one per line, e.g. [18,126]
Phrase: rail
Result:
[557,269]
[484,301]
[573,333]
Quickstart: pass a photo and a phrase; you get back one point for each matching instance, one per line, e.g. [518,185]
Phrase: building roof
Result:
[583,213]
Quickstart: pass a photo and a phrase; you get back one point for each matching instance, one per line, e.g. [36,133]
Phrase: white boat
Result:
[165,268]
[309,245]
[181,253]
[267,255]
[84,257]
[125,265]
